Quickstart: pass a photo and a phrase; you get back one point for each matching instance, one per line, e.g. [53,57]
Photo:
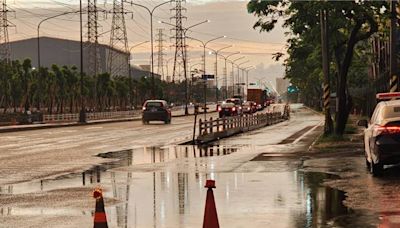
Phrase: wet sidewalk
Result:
[38,126]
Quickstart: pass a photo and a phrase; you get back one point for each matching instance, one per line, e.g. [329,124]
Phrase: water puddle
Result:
[124,158]
[176,199]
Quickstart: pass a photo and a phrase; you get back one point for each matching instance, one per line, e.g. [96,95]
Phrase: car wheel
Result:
[376,169]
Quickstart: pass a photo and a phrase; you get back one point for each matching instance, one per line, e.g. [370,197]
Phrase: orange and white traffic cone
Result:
[100,218]
[210,212]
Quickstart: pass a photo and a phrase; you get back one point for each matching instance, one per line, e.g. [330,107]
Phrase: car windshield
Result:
[154,105]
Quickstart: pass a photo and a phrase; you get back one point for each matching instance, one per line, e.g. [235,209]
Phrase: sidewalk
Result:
[39,126]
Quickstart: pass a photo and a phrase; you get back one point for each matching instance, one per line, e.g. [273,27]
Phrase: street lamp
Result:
[185,58]
[82,114]
[38,32]
[239,81]
[204,45]
[130,53]
[247,69]
[233,73]
[226,58]
[216,52]
[151,12]
[130,72]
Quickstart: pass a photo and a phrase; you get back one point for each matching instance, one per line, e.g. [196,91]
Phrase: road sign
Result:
[208,77]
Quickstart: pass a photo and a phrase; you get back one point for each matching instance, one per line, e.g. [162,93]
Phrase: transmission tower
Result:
[93,42]
[5,49]
[118,56]
[160,52]
[179,38]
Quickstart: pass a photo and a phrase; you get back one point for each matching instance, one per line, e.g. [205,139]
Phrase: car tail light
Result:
[388,96]
[144,108]
[233,109]
[219,108]
[386,130]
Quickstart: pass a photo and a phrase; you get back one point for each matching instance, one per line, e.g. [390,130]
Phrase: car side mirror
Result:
[363,123]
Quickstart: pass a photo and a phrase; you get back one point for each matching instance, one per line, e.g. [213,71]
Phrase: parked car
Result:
[156,110]
[249,107]
[230,107]
[382,134]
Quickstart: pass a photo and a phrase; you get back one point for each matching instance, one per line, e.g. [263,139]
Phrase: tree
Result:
[350,22]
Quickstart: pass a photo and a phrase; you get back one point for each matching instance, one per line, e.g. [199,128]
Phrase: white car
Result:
[382,134]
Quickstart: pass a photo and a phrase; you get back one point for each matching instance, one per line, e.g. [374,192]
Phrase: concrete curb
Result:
[19,128]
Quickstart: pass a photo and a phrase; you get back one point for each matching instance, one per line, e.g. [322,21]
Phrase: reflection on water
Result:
[176,199]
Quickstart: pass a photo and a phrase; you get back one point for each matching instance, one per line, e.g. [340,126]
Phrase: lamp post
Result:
[130,71]
[82,114]
[185,59]
[38,32]
[233,73]
[204,45]
[151,13]
[247,69]
[191,93]
[216,52]
[130,53]
[239,83]
[226,58]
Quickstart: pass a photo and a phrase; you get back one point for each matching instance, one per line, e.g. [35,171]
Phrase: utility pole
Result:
[393,47]
[119,56]
[325,66]
[179,38]
[93,67]
[5,49]
[160,53]
[82,113]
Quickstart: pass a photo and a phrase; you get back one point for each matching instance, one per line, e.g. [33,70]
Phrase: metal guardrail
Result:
[111,115]
[74,117]
[213,129]
[56,118]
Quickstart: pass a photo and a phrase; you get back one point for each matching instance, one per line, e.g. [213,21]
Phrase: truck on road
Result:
[257,95]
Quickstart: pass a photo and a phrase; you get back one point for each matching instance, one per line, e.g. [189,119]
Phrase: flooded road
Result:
[176,199]
[260,179]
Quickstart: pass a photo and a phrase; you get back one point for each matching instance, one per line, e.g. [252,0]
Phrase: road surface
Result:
[264,178]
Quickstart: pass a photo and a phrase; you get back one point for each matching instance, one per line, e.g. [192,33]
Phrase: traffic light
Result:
[292,89]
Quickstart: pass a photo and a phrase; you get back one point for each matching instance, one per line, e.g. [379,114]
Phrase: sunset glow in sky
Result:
[229,18]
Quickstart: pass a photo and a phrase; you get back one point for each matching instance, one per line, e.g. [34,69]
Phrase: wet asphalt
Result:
[264,178]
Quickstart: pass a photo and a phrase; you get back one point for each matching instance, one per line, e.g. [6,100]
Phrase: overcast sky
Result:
[229,18]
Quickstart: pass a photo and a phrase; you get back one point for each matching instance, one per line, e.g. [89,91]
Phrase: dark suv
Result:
[156,110]
[230,107]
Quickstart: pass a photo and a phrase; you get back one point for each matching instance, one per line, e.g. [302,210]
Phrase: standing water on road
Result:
[153,197]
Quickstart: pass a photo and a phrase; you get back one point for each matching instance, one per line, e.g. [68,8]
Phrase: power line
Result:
[117,61]
[5,49]
[179,39]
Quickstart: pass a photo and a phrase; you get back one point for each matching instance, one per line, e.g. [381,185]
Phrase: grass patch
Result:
[332,138]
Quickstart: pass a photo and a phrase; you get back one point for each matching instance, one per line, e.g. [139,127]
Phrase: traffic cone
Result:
[210,212]
[100,218]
